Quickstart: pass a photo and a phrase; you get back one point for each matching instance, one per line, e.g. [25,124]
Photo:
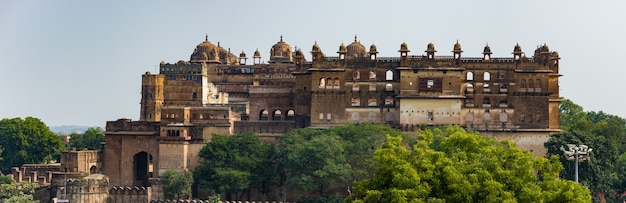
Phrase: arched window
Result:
[264,115]
[388,101]
[469,76]
[388,87]
[372,75]
[530,84]
[469,117]
[504,117]
[487,76]
[389,75]
[537,85]
[277,115]
[523,85]
[372,102]
[470,88]
[336,83]
[356,101]
[322,82]
[355,87]
[356,75]
[487,116]
[329,83]
[291,115]
[486,102]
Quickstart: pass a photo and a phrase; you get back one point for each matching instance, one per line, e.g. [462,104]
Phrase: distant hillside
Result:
[69,129]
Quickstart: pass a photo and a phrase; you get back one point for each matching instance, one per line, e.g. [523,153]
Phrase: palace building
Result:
[217,92]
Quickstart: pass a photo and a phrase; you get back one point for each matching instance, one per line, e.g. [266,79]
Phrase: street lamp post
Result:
[577,154]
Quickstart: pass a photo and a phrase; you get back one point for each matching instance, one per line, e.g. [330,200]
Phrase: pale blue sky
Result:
[80,62]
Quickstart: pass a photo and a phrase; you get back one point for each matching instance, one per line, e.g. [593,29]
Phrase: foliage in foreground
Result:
[177,184]
[604,172]
[451,165]
[11,191]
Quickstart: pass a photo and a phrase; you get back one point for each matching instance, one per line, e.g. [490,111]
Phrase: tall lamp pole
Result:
[577,154]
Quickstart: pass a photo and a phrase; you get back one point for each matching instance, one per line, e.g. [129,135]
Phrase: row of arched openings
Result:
[470,76]
[372,101]
[277,115]
[356,75]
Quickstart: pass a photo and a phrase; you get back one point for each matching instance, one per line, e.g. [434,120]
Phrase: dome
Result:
[517,49]
[430,48]
[404,47]
[457,47]
[299,53]
[281,52]
[555,54]
[225,56]
[487,49]
[242,55]
[205,52]
[373,49]
[257,54]
[356,49]
[342,49]
[316,48]
[545,49]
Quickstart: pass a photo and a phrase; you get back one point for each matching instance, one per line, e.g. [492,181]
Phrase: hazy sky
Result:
[80,62]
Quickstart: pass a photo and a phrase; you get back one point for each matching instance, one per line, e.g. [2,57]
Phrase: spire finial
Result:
[355,37]
[218,44]
[281,38]
[206,38]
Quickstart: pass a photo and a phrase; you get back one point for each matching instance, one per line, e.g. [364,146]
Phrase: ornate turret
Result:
[242,58]
[373,52]
[487,52]
[342,51]
[430,50]
[517,52]
[316,52]
[404,49]
[257,57]
[457,50]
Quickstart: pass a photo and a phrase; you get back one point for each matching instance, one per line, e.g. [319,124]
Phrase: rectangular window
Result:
[434,84]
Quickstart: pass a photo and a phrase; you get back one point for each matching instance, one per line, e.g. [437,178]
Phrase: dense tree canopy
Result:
[334,157]
[606,134]
[229,164]
[452,165]
[177,184]
[27,141]
[90,139]
[11,191]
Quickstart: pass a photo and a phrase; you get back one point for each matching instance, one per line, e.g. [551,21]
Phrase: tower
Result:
[151,96]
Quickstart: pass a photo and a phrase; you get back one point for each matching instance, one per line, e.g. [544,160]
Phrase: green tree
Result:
[13,192]
[451,165]
[605,133]
[230,164]
[27,141]
[90,139]
[314,159]
[177,184]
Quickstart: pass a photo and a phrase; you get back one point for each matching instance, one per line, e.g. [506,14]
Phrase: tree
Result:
[27,141]
[90,139]
[603,132]
[229,164]
[314,160]
[177,184]
[11,191]
[451,165]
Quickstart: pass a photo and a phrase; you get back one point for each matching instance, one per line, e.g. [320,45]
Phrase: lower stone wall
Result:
[129,194]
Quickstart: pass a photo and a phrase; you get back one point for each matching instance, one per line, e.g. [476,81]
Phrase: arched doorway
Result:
[142,169]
